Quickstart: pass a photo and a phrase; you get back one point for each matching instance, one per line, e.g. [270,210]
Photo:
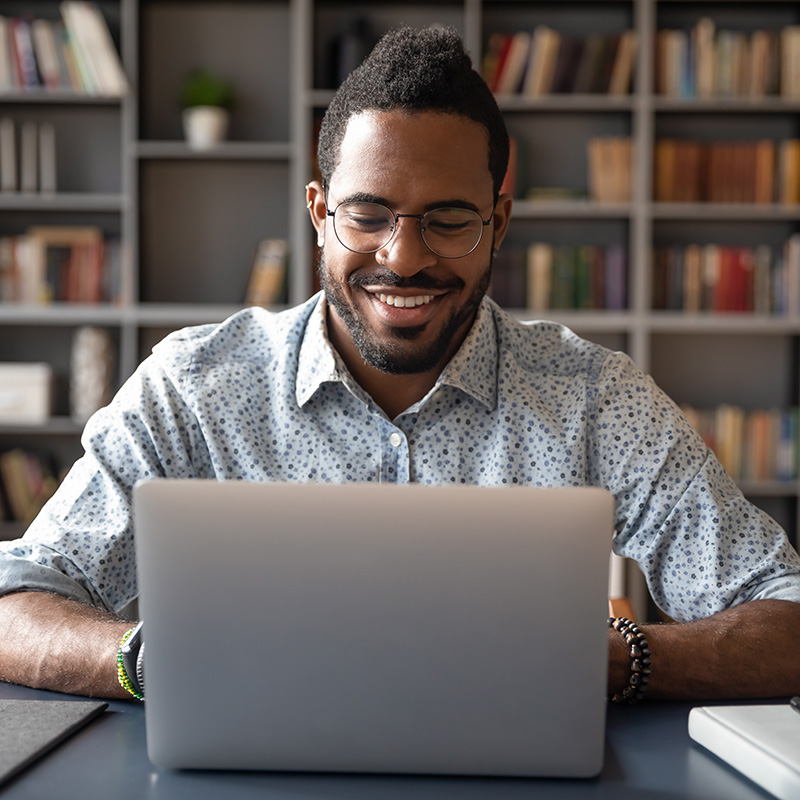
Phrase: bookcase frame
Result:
[188,219]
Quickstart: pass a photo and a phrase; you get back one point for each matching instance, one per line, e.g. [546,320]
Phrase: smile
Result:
[405,302]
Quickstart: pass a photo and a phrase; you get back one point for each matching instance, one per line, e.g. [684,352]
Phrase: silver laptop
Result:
[374,628]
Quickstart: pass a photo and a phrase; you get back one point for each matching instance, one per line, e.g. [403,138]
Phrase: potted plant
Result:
[206,100]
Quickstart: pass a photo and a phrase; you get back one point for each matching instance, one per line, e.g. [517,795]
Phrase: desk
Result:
[648,755]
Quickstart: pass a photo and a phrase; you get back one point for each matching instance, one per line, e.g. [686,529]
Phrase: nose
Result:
[406,253]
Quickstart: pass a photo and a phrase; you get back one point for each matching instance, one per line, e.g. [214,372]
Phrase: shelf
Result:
[64,314]
[56,97]
[569,209]
[166,314]
[726,105]
[769,488]
[62,201]
[597,321]
[725,211]
[246,151]
[567,102]
[58,426]
[732,323]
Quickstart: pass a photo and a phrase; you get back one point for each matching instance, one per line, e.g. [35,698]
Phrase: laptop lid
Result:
[374,628]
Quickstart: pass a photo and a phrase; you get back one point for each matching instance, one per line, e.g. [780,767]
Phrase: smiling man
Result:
[407,262]
[401,370]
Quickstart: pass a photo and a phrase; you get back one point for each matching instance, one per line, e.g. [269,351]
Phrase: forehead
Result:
[414,157]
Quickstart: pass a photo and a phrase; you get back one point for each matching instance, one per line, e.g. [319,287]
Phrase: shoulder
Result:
[252,335]
[545,348]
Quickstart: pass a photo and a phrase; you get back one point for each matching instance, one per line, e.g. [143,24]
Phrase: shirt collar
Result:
[318,362]
[473,368]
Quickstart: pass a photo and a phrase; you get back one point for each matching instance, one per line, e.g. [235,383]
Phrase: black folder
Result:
[29,728]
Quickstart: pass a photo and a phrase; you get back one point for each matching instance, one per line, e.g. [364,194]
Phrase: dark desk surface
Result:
[648,755]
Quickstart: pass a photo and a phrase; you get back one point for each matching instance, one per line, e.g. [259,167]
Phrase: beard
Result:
[399,352]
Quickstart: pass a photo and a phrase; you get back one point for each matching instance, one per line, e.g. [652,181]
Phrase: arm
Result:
[51,642]
[749,651]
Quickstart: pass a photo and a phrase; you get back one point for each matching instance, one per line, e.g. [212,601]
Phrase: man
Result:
[402,371]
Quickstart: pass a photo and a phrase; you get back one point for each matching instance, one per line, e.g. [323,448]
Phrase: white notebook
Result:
[761,741]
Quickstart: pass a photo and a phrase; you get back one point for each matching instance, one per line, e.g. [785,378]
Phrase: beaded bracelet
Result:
[640,660]
[122,675]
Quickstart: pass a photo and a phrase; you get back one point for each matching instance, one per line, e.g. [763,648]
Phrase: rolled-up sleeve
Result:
[81,545]
[701,545]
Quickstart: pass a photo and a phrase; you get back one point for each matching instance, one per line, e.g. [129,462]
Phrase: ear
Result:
[315,202]
[502,216]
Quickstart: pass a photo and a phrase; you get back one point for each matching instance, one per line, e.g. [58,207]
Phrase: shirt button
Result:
[395,439]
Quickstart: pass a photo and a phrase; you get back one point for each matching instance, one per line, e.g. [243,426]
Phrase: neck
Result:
[394,393]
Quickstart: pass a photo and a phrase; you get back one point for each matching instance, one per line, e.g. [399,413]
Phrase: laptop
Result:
[374,628]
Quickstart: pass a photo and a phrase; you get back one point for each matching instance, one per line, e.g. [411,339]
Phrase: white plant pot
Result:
[205,126]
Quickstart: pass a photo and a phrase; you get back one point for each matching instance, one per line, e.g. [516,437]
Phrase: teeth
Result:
[405,302]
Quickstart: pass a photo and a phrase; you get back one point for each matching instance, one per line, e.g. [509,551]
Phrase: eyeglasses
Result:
[447,232]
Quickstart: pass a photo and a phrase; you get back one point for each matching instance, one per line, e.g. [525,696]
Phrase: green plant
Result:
[203,88]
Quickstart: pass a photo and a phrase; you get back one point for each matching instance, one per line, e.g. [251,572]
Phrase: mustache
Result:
[386,277]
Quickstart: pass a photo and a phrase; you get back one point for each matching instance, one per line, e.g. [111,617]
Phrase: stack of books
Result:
[545,61]
[760,280]
[74,54]
[758,445]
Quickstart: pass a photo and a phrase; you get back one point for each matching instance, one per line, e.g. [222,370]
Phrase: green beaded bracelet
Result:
[122,675]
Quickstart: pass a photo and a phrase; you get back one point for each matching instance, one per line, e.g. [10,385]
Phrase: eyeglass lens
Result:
[367,227]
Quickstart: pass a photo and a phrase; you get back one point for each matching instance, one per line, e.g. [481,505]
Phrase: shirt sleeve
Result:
[81,543]
[701,545]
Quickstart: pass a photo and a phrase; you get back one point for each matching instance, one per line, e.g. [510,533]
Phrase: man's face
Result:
[404,309]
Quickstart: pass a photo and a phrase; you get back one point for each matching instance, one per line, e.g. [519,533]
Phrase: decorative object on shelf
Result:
[206,100]
[90,371]
[25,393]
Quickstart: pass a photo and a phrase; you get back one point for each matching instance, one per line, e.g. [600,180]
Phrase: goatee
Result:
[395,353]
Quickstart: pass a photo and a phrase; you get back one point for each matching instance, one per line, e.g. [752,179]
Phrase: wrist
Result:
[130,662]
[634,686]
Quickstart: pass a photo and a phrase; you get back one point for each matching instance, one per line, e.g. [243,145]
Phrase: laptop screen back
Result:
[377,628]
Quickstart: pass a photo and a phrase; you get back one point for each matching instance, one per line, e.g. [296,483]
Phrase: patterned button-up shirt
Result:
[265,397]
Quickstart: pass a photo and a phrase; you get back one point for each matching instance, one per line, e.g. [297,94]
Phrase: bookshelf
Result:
[190,221]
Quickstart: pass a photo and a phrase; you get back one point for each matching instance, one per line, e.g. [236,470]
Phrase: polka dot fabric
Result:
[264,397]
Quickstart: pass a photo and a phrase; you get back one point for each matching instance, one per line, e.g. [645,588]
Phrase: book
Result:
[6,78]
[570,51]
[47,158]
[513,66]
[543,54]
[589,65]
[8,155]
[760,741]
[23,43]
[29,157]
[96,37]
[62,263]
[267,274]
[623,67]
[44,45]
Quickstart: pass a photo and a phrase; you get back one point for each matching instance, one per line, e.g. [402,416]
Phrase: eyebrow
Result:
[366,197]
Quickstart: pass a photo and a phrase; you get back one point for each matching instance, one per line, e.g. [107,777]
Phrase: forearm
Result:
[750,651]
[50,642]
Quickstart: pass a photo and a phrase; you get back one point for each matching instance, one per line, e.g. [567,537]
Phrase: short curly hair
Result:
[415,69]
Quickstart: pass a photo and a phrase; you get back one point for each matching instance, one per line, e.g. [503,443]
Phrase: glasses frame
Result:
[397,217]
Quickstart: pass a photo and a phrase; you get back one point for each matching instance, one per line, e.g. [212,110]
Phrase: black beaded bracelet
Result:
[640,660]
